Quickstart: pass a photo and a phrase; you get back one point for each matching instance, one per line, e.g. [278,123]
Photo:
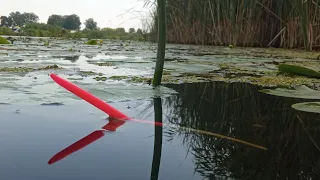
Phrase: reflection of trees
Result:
[157,140]
[240,111]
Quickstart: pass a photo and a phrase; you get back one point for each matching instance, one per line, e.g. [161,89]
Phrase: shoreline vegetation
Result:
[44,30]
[258,43]
[265,23]
[251,23]
[67,26]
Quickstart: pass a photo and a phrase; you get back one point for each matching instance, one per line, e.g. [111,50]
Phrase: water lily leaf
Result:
[313,107]
[299,92]
[3,41]
[299,70]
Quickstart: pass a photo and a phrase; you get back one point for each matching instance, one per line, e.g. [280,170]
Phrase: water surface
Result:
[32,134]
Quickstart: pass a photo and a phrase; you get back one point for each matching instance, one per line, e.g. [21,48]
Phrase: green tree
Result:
[71,22]
[121,30]
[139,31]
[55,20]
[132,30]
[90,24]
[5,21]
[19,19]
[29,18]
[16,18]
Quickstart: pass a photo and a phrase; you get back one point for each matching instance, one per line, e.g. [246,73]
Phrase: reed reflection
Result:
[238,110]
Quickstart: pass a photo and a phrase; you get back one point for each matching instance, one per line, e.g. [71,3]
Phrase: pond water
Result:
[211,130]
[32,135]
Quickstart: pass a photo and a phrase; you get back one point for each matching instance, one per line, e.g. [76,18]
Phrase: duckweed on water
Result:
[118,77]
[280,81]
[100,78]
[26,69]
[16,69]
[136,79]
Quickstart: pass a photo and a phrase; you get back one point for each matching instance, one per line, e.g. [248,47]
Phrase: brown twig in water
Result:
[224,137]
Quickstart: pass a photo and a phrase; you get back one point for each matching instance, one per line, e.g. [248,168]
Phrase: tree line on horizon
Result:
[62,25]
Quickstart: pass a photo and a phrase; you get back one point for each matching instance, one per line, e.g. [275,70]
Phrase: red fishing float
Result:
[111,111]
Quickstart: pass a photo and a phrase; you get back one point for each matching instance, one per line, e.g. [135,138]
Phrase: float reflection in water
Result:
[92,137]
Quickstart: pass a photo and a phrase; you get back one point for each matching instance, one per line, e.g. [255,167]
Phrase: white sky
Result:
[107,13]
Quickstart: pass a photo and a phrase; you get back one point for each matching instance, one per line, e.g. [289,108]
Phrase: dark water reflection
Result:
[83,145]
[240,111]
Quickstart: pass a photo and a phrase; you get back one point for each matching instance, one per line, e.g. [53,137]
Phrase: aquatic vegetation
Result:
[52,104]
[300,70]
[298,92]
[100,78]
[118,77]
[16,69]
[208,23]
[50,67]
[313,107]
[104,64]
[92,42]
[166,72]
[46,43]
[26,69]
[302,92]
[3,41]
[136,79]
[280,80]
[3,54]
[88,73]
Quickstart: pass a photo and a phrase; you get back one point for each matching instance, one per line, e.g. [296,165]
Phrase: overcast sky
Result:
[107,13]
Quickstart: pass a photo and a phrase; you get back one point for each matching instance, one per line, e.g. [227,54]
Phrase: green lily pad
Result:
[3,41]
[299,70]
[92,42]
[299,92]
[313,107]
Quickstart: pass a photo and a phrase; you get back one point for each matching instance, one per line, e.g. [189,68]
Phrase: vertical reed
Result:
[262,23]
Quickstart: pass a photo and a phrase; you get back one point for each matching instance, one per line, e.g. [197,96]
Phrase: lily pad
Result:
[92,42]
[299,92]
[313,107]
[299,70]
[3,41]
